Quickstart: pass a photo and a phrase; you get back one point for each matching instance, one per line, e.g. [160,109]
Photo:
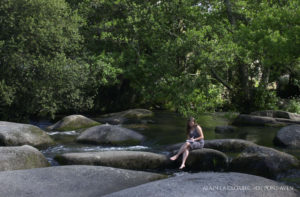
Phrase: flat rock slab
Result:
[71,181]
[21,157]
[16,134]
[128,116]
[287,121]
[278,114]
[211,184]
[73,122]
[229,145]
[253,120]
[110,134]
[136,160]
[288,136]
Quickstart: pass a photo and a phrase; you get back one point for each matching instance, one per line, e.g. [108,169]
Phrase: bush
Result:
[293,106]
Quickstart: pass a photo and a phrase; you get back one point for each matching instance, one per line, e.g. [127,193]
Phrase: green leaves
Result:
[61,56]
[6,94]
[44,69]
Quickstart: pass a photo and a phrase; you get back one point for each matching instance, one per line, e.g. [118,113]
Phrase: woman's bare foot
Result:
[182,166]
[174,157]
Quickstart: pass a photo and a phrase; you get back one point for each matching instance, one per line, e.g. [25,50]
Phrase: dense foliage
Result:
[65,56]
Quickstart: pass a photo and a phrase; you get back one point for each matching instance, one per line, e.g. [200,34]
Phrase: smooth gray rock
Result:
[110,134]
[16,134]
[73,122]
[288,136]
[252,120]
[263,161]
[224,145]
[225,129]
[252,158]
[277,114]
[204,159]
[135,160]
[71,181]
[284,122]
[21,157]
[211,184]
[229,145]
[128,116]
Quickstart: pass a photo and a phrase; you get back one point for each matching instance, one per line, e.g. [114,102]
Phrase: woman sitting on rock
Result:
[195,140]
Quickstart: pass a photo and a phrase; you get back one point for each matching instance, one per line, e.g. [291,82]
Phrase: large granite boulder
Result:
[225,129]
[251,158]
[21,157]
[110,134]
[224,145]
[263,161]
[211,184]
[73,122]
[277,114]
[252,120]
[204,159]
[135,160]
[16,134]
[229,145]
[71,181]
[288,136]
[128,116]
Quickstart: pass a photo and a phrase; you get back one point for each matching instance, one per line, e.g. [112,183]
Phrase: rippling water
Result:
[63,133]
[52,151]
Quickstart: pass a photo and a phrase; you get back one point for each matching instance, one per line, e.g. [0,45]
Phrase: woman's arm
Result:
[199,130]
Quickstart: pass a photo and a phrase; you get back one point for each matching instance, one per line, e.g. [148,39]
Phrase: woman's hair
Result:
[188,127]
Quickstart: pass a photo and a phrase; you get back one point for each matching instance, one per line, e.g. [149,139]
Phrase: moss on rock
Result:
[73,122]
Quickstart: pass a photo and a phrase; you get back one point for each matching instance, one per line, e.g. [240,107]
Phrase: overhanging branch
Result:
[220,79]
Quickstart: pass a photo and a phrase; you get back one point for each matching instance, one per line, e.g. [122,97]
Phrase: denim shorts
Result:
[197,144]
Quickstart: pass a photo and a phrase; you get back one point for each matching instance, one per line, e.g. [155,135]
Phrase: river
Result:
[166,128]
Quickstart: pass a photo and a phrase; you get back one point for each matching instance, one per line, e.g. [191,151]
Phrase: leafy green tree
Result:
[189,56]
[268,47]
[249,45]
[44,69]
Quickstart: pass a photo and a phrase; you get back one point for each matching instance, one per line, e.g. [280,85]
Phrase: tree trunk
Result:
[244,82]
[231,17]
[265,77]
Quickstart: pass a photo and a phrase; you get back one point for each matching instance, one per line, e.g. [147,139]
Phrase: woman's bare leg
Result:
[185,155]
[181,150]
